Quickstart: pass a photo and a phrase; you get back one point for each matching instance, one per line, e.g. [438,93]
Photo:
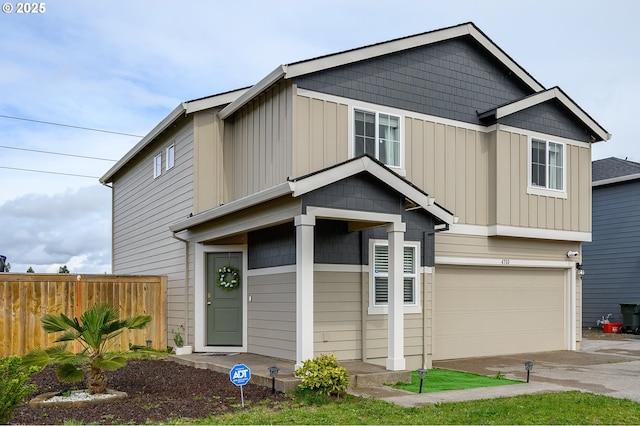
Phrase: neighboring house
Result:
[399,203]
[612,260]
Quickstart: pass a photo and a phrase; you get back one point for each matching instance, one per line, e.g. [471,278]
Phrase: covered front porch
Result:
[361,374]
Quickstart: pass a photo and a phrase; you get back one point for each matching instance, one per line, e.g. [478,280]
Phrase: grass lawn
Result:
[552,408]
[438,380]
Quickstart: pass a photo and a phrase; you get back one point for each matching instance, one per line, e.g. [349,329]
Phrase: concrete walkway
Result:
[606,365]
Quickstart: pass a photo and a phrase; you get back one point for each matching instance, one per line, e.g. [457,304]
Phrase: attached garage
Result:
[485,311]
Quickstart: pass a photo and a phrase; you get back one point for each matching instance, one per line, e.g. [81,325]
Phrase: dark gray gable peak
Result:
[365,163]
[613,170]
[303,185]
[555,93]
[298,69]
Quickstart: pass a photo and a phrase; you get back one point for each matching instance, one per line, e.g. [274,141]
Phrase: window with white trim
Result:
[378,135]
[380,283]
[171,156]
[157,165]
[547,165]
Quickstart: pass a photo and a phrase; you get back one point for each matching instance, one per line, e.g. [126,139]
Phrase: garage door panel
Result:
[490,311]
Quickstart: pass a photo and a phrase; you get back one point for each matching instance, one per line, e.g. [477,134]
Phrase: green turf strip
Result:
[438,380]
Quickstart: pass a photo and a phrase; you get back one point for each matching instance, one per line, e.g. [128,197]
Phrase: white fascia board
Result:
[547,234]
[504,58]
[553,93]
[384,48]
[234,206]
[513,263]
[618,179]
[213,101]
[254,91]
[159,128]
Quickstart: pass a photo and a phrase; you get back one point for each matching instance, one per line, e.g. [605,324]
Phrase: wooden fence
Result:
[25,298]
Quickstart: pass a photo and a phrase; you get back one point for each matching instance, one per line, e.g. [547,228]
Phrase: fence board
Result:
[25,298]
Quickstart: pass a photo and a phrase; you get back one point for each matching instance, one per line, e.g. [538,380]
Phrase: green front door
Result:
[224,307]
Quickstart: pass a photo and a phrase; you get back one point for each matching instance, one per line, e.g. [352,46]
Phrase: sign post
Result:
[240,375]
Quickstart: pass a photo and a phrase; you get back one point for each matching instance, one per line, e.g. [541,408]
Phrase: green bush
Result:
[13,382]
[323,374]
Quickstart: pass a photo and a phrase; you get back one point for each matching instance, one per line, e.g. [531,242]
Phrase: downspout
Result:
[186,284]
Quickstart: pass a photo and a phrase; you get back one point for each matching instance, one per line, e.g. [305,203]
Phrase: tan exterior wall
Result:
[458,245]
[258,144]
[320,135]
[208,177]
[514,207]
[452,165]
[271,325]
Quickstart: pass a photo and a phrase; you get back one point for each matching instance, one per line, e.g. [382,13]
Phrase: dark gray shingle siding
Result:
[549,117]
[452,79]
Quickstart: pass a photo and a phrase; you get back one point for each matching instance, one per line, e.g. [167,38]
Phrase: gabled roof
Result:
[613,170]
[309,66]
[181,110]
[304,184]
[544,96]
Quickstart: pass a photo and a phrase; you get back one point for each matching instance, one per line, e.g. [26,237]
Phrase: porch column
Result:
[304,288]
[395,234]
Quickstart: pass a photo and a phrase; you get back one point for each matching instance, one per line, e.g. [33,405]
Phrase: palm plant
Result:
[95,331]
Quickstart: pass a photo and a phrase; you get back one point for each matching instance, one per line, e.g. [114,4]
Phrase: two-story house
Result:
[419,199]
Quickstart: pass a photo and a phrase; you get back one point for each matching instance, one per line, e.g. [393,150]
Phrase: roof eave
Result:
[174,115]
[254,91]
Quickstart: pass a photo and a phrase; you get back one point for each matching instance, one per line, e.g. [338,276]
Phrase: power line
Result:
[69,125]
[48,172]
[57,153]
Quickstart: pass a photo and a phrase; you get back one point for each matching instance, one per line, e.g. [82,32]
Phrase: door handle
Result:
[209,298]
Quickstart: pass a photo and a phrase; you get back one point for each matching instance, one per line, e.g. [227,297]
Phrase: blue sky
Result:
[122,65]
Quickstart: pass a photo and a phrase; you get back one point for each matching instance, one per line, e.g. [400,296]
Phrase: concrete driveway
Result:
[606,365]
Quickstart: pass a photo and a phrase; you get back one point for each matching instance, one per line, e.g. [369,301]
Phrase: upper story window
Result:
[377,134]
[157,165]
[547,165]
[380,275]
[171,156]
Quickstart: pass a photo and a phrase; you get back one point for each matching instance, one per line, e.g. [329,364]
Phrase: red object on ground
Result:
[612,327]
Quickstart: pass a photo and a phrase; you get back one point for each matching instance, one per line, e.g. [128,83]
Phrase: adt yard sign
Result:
[240,375]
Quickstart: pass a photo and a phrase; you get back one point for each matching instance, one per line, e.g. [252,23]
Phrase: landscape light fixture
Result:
[148,343]
[273,372]
[529,366]
[422,373]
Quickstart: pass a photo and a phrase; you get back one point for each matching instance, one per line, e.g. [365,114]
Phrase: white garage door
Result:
[484,311]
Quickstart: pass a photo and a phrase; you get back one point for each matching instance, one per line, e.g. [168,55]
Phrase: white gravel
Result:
[78,396]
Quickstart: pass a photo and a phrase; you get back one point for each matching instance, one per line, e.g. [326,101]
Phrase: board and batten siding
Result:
[208,164]
[321,136]
[143,209]
[258,144]
[514,207]
[271,325]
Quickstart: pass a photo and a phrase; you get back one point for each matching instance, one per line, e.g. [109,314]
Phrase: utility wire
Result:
[69,125]
[51,173]
[57,153]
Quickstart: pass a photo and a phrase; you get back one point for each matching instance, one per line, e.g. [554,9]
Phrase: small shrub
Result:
[13,381]
[323,374]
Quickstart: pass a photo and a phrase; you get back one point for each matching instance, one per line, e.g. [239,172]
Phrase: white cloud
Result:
[45,232]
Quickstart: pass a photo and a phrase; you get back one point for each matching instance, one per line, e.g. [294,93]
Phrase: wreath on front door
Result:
[228,278]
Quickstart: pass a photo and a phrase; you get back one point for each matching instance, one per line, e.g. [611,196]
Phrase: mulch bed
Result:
[158,390]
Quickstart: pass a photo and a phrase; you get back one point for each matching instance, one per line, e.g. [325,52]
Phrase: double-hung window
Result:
[380,281]
[157,165]
[547,165]
[171,156]
[377,135]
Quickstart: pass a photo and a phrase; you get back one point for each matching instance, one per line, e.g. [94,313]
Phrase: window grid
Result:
[547,164]
[378,135]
